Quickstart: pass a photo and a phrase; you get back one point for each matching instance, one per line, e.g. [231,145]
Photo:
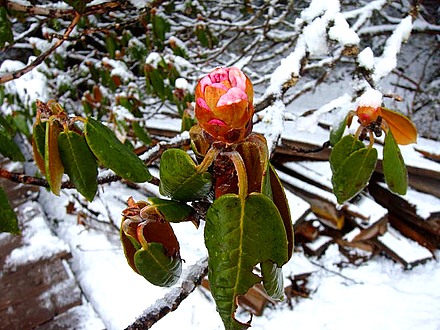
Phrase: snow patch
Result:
[370,98]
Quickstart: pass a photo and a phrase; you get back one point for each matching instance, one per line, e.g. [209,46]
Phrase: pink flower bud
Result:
[224,104]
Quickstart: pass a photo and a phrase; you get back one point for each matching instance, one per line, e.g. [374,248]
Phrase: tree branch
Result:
[17,74]
[171,301]
[59,12]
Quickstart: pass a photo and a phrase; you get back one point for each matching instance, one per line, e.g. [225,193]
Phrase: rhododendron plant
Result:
[353,163]
[247,194]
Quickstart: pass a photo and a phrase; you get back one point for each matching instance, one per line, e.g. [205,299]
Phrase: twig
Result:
[336,273]
[17,74]
[173,299]
[324,146]
[60,12]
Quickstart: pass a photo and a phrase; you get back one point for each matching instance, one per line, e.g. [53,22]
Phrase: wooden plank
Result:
[35,293]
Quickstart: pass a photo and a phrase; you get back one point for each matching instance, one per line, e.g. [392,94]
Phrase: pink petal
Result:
[202,103]
[219,86]
[205,81]
[217,122]
[237,78]
[219,75]
[234,95]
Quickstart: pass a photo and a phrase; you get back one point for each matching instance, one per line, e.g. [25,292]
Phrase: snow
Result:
[38,242]
[139,4]
[366,58]
[388,61]
[181,83]
[342,32]
[370,98]
[28,87]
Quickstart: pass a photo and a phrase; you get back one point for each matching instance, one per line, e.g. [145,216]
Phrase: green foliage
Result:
[153,263]
[240,234]
[8,218]
[6,34]
[171,210]
[8,147]
[79,163]
[110,151]
[180,178]
[352,165]
[354,173]
[54,168]
[336,133]
[394,169]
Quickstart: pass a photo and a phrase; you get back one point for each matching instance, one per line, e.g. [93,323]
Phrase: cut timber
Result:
[402,211]
[403,250]
[36,283]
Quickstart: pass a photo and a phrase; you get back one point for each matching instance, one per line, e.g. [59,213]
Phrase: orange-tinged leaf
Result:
[54,166]
[404,131]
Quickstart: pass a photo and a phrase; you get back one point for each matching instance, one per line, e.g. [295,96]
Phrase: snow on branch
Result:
[172,299]
[388,61]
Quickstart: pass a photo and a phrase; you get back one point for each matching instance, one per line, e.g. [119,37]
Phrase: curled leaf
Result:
[404,131]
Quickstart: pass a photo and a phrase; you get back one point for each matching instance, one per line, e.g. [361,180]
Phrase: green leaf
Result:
[8,218]
[394,169]
[78,5]
[38,145]
[157,81]
[157,266]
[160,27]
[113,154]
[179,178]
[202,35]
[354,173]
[53,165]
[171,210]
[273,188]
[141,133]
[239,234]
[6,34]
[344,148]
[9,148]
[79,163]
[336,134]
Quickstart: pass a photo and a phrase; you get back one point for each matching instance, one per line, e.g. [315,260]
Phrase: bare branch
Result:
[17,74]
[59,12]
[173,299]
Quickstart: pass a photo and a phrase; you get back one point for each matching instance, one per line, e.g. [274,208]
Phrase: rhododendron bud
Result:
[375,117]
[224,104]
[368,115]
